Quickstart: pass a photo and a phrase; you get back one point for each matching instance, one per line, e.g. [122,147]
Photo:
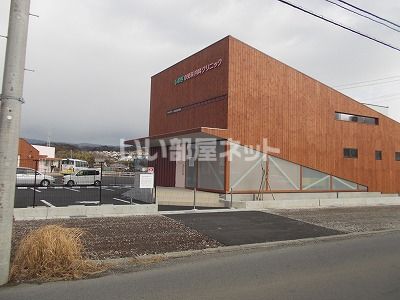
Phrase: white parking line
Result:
[87,202]
[47,203]
[122,200]
[36,190]
[108,189]
[22,188]
[71,189]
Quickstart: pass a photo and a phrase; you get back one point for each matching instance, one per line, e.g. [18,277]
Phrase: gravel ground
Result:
[354,219]
[126,236]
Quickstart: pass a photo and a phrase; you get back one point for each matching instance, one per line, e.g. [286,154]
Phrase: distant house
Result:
[47,159]
[27,154]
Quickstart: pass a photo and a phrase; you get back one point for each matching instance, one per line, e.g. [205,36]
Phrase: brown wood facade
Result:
[256,97]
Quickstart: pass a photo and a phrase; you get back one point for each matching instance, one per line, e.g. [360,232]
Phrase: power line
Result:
[371,14]
[383,97]
[370,84]
[387,100]
[339,25]
[367,81]
[361,15]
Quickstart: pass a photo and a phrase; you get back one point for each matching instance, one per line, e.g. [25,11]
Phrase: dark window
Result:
[350,153]
[30,172]
[356,118]
[378,155]
[21,171]
[397,156]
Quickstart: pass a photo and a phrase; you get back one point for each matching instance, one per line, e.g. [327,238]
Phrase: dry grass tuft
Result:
[52,252]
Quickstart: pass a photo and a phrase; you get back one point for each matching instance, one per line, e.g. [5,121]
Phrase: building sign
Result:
[191,161]
[198,71]
[146,181]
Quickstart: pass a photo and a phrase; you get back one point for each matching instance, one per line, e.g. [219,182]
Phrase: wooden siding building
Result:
[240,97]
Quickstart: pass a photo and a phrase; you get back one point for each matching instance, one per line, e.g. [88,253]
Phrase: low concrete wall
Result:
[306,196]
[75,211]
[359,194]
[318,203]
[184,197]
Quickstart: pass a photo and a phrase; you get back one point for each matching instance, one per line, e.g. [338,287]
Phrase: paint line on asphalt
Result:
[22,188]
[36,190]
[108,189]
[47,203]
[69,189]
[125,201]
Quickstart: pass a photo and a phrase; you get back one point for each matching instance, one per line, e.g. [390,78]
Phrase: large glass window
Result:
[283,175]
[190,166]
[247,169]
[356,118]
[339,184]
[362,188]
[211,165]
[315,181]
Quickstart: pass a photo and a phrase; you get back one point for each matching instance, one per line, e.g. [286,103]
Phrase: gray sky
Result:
[94,58]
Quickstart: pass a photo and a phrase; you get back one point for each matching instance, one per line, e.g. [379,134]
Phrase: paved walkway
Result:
[248,227]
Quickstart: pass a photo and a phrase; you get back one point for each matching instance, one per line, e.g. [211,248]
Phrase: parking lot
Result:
[114,190]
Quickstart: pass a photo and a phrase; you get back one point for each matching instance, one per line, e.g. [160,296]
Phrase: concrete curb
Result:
[319,203]
[203,211]
[245,247]
[82,211]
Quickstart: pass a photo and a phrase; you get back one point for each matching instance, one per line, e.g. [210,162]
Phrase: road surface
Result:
[358,268]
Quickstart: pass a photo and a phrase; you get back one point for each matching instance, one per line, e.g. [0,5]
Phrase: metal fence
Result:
[90,186]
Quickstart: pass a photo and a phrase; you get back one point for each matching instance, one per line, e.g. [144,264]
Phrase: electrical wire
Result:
[367,12]
[370,84]
[339,25]
[361,15]
[367,81]
[383,96]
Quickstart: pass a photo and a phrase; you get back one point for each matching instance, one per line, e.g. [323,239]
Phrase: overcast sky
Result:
[94,58]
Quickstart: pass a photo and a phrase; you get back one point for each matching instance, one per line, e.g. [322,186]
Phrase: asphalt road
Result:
[77,195]
[358,268]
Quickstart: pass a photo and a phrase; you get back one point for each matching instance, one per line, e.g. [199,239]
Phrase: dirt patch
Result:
[349,219]
[106,238]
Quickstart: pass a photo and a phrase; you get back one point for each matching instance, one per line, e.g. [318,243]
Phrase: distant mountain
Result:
[35,142]
[75,147]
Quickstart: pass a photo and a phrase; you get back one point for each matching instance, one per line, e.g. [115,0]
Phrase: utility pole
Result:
[10,115]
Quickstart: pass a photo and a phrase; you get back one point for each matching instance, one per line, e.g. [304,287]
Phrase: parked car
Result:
[26,176]
[83,177]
